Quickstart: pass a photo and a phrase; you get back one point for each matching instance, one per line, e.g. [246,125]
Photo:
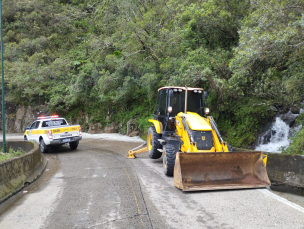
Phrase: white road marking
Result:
[281,199]
[245,208]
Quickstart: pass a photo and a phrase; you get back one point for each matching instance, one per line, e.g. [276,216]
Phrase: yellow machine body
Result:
[193,150]
[198,123]
[216,168]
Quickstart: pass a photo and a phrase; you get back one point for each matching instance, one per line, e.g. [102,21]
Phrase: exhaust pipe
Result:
[186,100]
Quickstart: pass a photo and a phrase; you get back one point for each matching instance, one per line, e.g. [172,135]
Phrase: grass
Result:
[11,154]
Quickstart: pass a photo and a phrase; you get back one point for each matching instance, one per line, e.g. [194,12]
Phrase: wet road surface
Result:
[96,187]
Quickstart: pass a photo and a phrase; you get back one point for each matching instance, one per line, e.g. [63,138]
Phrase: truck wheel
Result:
[25,138]
[169,159]
[153,143]
[74,145]
[43,147]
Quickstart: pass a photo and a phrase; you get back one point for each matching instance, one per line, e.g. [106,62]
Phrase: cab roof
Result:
[183,88]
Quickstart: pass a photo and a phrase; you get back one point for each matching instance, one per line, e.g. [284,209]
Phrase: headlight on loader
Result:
[207,111]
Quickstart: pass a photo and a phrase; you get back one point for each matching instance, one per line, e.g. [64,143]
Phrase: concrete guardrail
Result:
[17,172]
[285,169]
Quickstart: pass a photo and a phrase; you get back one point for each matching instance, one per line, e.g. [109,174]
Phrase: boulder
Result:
[111,129]
[95,128]
[289,118]
[295,110]
[133,134]
[131,126]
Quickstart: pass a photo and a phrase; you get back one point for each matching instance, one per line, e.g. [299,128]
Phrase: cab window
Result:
[35,125]
[54,122]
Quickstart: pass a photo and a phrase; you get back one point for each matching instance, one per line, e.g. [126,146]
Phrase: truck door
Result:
[31,133]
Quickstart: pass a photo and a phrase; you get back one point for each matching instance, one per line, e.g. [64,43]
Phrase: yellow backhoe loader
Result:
[193,149]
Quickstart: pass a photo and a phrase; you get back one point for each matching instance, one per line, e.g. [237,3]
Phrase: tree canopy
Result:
[108,58]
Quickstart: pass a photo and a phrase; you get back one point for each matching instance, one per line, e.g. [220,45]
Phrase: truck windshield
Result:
[54,122]
[195,102]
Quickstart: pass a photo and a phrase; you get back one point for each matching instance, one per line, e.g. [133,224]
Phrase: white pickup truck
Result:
[53,131]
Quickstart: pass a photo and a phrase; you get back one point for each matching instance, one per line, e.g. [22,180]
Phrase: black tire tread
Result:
[73,145]
[170,157]
[154,153]
[230,148]
[45,149]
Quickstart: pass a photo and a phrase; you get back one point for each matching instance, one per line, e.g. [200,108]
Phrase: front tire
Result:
[169,159]
[153,143]
[43,147]
[25,138]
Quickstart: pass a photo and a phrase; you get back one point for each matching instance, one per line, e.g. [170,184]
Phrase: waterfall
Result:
[278,140]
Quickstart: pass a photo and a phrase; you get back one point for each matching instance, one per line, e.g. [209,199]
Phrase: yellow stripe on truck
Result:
[38,132]
[65,129]
[55,131]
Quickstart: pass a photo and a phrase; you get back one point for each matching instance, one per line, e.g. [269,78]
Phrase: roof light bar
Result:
[47,117]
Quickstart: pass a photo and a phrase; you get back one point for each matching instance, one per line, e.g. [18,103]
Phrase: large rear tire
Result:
[169,159]
[153,143]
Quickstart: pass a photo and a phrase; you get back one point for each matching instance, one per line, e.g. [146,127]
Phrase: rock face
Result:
[97,128]
[24,117]
[19,117]
[111,129]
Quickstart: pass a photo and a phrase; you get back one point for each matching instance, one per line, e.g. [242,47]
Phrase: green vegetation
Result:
[297,144]
[10,154]
[107,58]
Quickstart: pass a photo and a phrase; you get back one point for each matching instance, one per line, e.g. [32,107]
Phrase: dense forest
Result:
[107,58]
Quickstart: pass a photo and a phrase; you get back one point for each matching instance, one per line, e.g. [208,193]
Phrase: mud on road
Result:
[95,186]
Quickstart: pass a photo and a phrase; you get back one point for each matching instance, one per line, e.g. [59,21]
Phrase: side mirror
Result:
[27,128]
[205,95]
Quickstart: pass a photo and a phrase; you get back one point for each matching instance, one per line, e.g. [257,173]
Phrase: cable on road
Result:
[135,197]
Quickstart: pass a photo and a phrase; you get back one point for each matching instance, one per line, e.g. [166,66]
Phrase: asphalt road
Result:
[95,186]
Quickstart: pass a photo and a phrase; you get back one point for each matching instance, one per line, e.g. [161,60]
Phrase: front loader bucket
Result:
[220,170]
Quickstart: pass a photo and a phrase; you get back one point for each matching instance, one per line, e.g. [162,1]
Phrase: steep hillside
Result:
[107,59]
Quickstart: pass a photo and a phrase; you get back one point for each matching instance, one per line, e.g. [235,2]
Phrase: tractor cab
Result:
[171,101]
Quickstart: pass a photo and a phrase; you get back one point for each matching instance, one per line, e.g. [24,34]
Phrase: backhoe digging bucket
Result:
[220,170]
